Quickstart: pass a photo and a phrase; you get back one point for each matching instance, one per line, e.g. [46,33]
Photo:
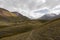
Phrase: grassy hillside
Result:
[46,31]
[13,27]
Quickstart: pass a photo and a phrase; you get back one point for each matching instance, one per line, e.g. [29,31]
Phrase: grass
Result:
[46,31]
[16,26]
[49,31]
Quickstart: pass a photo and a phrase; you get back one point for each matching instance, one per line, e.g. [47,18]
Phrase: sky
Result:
[32,9]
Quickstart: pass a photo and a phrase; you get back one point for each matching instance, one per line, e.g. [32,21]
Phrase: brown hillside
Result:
[4,12]
[6,15]
[49,31]
[21,16]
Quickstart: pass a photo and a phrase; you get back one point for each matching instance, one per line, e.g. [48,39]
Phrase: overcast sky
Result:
[31,8]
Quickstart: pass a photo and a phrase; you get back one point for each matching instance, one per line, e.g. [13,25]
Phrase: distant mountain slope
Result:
[8,16]
[50,16]
[21,16]
[47,31]
[4,12]
[17,13]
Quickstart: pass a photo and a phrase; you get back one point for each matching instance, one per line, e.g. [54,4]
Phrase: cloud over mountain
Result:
[33,9]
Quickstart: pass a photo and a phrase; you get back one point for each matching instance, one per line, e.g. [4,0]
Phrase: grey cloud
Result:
[26,6]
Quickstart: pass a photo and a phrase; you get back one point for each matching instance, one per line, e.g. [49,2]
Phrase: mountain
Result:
[8,16]
[4,12]
[20,15]
[50,16]
[13,25]
[21,28]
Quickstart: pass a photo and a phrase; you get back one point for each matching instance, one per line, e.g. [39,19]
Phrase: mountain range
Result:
[50,16]
[14,26]
[6,13]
